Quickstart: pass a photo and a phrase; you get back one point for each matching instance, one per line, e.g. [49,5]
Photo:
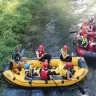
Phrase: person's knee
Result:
[50,56]
[24,59]
[69,59]
[19,65]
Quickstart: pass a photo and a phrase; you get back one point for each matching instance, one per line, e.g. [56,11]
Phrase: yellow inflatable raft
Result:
[79,66]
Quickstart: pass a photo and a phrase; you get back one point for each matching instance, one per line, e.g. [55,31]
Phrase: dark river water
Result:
[54,38]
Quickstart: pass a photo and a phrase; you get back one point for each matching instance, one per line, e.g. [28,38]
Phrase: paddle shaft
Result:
[80,88]
[22,51]
[72,31]
[31,80]
[57,85]
[30,87]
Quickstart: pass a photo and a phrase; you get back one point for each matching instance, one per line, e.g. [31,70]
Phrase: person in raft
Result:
[84,29]
[91,23]
[64,56]
[82,41]
[41,55]
[29,71]
[17,58]
[45,72]
[67,71]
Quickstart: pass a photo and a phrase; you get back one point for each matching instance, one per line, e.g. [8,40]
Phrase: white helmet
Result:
[92,17]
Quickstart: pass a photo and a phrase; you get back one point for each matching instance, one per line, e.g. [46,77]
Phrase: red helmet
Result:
[65,47]
[45,64]
[69,65]
[41,46]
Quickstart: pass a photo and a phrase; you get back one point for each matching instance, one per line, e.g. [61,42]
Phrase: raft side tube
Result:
[82,63]
[37,59]
[55,78]
[90,55]
[8,66]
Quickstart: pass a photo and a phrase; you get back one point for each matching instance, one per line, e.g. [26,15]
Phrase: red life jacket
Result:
[43,74]
[40,52]
[91,48]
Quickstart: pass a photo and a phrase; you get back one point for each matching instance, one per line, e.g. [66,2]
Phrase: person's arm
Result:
[86,44]
[19,54]
[64,56]
[37,54]
[50,75]
[78,39]
[61,51]
[27,76]
[44,52]
[68,76]
[78,34]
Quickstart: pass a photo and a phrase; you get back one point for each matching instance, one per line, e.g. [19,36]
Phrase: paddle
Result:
[57,85]
[22,52]
[30,82]
[73,31]
[73,42]
[81,89]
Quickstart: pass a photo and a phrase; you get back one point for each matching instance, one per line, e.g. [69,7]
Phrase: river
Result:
[53,39]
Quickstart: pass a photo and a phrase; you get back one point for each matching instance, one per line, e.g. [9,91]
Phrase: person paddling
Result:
[45,72]
[68,71]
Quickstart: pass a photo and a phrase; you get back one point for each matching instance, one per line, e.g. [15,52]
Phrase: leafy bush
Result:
[16,20]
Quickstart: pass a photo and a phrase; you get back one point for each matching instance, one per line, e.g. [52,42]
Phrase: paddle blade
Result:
[81,89]
[22,51]
[73,42]
[72,31]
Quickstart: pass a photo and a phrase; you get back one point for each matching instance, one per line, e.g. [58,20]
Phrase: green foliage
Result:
[29,54]
[17,18]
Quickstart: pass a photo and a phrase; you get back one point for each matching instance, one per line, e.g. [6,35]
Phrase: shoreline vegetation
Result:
[20,22]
